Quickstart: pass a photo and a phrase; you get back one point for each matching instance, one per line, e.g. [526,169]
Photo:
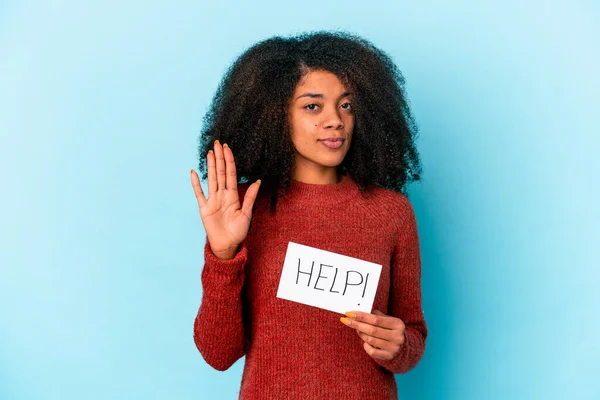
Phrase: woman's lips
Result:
[333,144]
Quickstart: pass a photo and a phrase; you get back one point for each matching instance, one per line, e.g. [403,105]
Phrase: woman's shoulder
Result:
[389,196]
[394,204]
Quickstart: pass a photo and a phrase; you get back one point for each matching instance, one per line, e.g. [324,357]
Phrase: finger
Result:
[249,198]
[212,174]
[231,175]
[220,166]
[377,353]
[377,319]
[197,188]
[372,330]
[379,343]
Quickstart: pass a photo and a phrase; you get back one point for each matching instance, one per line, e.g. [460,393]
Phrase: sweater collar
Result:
[329,193]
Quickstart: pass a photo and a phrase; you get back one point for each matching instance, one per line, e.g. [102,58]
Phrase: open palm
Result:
[225,221]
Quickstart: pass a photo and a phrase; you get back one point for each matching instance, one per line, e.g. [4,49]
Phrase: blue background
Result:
[101,241]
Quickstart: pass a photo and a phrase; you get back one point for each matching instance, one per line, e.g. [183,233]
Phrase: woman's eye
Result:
[311,107]
[346,106]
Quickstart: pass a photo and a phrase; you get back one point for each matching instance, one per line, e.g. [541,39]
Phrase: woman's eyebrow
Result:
[320,95]
[315,95]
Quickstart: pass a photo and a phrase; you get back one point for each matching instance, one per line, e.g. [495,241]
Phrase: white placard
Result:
[328,280]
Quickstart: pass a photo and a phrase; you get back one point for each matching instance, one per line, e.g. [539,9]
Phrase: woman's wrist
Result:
[225,255]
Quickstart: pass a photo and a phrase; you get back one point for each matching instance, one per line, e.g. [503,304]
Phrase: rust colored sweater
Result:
[296,351]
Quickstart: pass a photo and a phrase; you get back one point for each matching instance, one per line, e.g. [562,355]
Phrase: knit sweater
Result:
[297,351]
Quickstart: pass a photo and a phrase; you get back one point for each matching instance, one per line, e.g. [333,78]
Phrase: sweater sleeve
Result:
[405,296]
[219,331]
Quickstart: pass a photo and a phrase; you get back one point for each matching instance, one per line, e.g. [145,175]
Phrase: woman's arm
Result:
[405,295]
[219,331]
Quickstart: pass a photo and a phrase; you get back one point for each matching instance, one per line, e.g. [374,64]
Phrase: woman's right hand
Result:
[225,222]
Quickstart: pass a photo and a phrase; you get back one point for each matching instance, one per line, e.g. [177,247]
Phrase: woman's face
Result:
[321,122]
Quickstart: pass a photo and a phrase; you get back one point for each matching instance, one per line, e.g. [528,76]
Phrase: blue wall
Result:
[101,240]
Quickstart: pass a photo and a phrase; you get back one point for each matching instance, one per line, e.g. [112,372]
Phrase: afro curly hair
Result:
[249,111]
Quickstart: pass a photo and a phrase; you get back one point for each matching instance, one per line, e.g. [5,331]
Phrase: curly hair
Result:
[249,111]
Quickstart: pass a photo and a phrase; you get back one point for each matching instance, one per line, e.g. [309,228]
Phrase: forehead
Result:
[320,80]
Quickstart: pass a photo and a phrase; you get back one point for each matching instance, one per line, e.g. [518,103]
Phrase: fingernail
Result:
[350,314]
[345,321]
[216,141]
[258,181]
[225,145]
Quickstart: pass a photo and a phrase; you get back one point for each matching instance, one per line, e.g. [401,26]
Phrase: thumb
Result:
[250,198]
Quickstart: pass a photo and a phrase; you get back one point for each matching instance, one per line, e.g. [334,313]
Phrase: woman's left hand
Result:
[383,334]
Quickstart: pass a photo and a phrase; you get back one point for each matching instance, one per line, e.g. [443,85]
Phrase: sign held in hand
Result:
[328,280]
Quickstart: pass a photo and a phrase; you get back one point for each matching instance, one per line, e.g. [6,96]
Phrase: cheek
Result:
[349,120]
[349,125]
[303,133]
[304,129]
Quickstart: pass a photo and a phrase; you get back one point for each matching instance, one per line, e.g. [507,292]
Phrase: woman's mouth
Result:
[332,143]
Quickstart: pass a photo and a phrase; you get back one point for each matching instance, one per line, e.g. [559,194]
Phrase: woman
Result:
[324,143]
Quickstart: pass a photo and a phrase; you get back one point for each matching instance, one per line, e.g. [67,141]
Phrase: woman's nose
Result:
[333,121]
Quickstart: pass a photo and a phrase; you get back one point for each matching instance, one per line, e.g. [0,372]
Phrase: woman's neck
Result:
[321,177]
